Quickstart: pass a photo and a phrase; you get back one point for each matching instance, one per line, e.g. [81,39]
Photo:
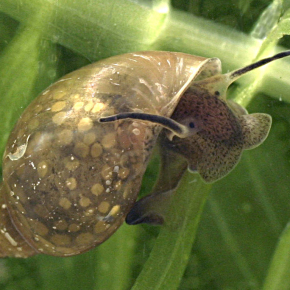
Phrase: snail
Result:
[74,162]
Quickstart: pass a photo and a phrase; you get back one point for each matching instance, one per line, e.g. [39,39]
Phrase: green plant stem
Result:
[94,29]
[278,277]
[169,257]
[116,256]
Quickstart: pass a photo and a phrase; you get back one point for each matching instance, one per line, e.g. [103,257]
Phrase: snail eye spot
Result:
[191,125]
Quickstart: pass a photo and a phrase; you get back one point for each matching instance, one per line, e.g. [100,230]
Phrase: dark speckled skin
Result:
[216,147]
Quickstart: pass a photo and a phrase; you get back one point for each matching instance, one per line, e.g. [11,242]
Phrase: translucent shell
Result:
[68,180]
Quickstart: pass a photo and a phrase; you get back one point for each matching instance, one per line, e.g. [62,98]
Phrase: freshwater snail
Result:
[74,162]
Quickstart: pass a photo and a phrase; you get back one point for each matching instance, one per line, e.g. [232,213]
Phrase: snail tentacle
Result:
[176,128]
[237,73]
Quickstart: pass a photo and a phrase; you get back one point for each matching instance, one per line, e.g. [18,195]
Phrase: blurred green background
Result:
[231,235]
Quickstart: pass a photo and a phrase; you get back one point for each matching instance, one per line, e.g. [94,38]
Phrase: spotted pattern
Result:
[223,131]
[77,178]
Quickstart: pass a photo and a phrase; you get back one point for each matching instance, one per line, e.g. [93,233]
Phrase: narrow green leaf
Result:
[278,277]
[168,259]
[267,20]
[282,28]
[116,257]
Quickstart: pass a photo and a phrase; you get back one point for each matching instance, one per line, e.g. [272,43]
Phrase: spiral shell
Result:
[69,180]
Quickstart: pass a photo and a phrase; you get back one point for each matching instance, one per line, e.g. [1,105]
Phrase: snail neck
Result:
[218,84]
[214,86]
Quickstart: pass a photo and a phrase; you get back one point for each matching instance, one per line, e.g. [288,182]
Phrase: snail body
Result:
[74,163]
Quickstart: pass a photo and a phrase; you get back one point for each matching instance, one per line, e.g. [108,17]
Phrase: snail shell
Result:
[69,180]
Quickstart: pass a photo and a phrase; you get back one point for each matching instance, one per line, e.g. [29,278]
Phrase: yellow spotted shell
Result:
[69,180]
